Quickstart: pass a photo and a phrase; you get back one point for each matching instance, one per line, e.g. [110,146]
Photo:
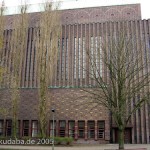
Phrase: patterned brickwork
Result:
[87,15]
[68,103]
[72,57]
[79,26]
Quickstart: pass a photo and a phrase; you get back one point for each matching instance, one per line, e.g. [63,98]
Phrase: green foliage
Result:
[63,140]
[25,138]
[3,111]
[3,138]
[68,140]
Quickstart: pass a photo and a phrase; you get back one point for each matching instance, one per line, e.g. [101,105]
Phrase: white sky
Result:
[68,4]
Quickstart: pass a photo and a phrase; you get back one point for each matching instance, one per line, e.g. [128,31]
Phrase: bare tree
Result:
[3,111]
[119,71]
[46,58]
[17,52]
[2,26]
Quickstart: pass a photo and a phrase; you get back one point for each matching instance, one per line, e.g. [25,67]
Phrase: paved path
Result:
[85,147]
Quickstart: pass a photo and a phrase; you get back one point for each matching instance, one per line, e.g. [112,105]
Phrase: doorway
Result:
[127,135]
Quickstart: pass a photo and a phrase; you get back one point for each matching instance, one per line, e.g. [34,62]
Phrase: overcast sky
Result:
[69,4]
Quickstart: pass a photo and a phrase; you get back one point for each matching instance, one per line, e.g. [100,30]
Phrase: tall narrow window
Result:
[97,57]
[25,128]
[34,128]
[91,129]
[92,58]
[62,128]
[1,127]
[58,59]
[8,127]
[71,129]
[79,49]
[67,65]
[100,54]
[63,58]
[75,57]
[84,58]
[51,128]
[101,129]
[81,129]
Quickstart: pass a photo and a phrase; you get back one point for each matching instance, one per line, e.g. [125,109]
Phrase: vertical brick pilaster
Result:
[64,56]
[86,130]
[57,127]
[69,56]
[66,133]
[77,56]
[76,129]
[60,61]
[142,73]
[31,58]
[29,50]
[147,88]
[94,51]
[107,130]
[135,25]
[34,60]
[90,51]
[96,131]
[4,127]
[81,56]
[30,128]
[47,128]
[21,128]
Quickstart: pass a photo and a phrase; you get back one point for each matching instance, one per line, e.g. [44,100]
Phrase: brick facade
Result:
[69,106]
[78,25]
[89,15]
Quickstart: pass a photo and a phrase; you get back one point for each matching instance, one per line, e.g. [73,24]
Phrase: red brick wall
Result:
[89,15]
[63,99]
[68,103]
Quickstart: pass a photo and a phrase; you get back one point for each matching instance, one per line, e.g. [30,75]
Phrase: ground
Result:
[77,147]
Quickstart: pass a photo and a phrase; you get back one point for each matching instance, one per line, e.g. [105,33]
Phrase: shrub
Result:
[69,140]
[3,138]
[63,140]
[25,138]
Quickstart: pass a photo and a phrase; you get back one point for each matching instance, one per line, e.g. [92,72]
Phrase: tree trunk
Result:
[121,139]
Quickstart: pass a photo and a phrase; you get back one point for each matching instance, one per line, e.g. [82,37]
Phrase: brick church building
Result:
[85,125]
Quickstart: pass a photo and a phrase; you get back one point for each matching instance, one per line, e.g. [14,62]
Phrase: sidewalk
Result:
[81,147]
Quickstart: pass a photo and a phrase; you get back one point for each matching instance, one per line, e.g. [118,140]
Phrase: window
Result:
[62,128]
[67,65]
[58,59]
[51,128]
[34,128]
[101,59]
[1,127]
[84,58]
[79,58]
[25,128]
[75,57]
[63,57]
[91,129]
[81,129]
[98,52]
[92,58]
[101,129]
[96,57]
[8,127]
[71,129]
